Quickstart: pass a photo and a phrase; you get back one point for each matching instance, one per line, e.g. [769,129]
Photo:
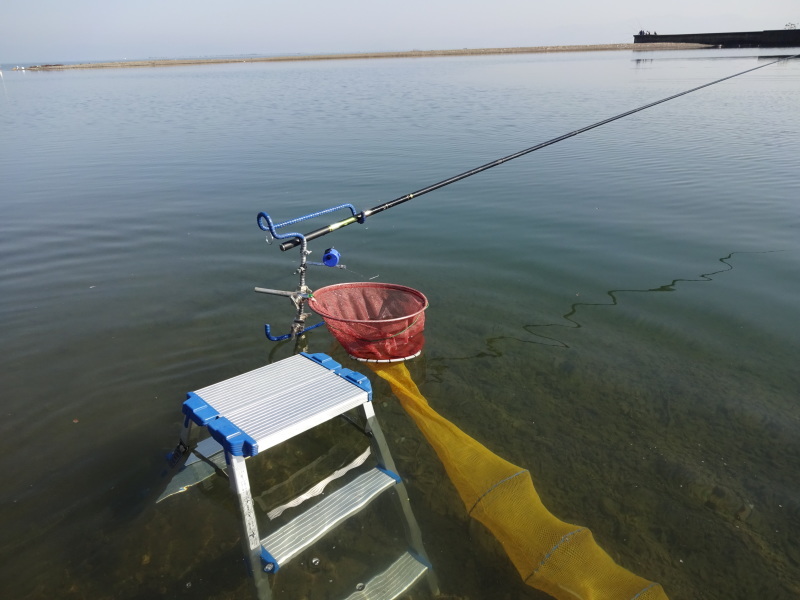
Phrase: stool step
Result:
[395,580]
[281,546]
[264,407]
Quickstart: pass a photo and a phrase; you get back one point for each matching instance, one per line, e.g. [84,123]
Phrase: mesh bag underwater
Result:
[551,555]
[375,322]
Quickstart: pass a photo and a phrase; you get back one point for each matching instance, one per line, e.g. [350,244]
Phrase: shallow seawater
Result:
[617,312]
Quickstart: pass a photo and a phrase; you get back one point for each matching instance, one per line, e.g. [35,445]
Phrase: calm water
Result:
[618,313]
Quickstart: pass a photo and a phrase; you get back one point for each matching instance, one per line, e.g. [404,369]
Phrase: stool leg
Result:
[240,484]
[413,534]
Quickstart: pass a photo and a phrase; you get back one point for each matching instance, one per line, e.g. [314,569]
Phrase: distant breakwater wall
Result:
[773,38]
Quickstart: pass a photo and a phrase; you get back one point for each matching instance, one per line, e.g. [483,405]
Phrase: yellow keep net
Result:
[558,558]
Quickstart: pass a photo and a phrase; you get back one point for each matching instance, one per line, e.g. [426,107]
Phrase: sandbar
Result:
[404,54]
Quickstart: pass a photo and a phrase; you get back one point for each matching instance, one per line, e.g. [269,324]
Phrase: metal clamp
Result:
[298,329]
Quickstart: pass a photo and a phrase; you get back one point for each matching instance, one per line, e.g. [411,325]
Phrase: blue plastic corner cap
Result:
[391,474]
[268,561]
[421,559]
[233,439]
[323,359]
[331,257]
[198,410]
[357,379]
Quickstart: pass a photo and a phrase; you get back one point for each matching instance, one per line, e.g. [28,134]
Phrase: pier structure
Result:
[772,38]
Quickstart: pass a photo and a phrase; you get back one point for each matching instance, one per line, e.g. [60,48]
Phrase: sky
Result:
[81,30]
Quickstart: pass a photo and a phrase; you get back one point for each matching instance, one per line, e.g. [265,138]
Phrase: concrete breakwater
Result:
[773,38]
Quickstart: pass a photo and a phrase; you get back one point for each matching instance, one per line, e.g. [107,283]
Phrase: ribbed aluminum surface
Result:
[393,581]
[308,527]
[279,401]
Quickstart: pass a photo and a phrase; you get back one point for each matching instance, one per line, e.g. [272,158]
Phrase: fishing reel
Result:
[330,258]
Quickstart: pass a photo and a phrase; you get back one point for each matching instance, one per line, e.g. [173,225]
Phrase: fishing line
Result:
[360,217]
[348,269]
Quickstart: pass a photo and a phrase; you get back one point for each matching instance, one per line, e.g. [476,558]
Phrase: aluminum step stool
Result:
[255,411]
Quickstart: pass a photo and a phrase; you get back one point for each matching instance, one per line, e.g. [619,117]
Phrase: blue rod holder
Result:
[280,338]
[265,222]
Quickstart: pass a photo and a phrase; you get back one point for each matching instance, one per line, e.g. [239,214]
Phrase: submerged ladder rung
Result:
[207,449]
[281,546]
[395,580]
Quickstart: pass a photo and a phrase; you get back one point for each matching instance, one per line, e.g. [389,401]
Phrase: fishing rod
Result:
[360,217]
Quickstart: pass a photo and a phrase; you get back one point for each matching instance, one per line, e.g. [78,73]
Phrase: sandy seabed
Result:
[406,54]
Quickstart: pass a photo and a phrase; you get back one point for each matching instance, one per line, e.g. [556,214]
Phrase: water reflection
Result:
[174,306]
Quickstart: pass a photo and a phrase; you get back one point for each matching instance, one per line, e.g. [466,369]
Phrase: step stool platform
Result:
[264,407]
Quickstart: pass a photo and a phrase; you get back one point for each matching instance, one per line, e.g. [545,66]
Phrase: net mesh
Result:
[379,322]
[558,558]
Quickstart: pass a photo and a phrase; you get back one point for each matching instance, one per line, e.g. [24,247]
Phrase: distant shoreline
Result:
[352,56]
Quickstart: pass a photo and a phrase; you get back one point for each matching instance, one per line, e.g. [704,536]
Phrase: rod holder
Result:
[331,258]
[288,336]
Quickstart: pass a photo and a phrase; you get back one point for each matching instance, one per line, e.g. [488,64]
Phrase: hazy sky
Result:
[66,30]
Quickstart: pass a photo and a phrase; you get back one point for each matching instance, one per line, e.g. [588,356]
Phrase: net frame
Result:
[374,322]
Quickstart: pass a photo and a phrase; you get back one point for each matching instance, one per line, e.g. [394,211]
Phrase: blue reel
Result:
[331,257]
